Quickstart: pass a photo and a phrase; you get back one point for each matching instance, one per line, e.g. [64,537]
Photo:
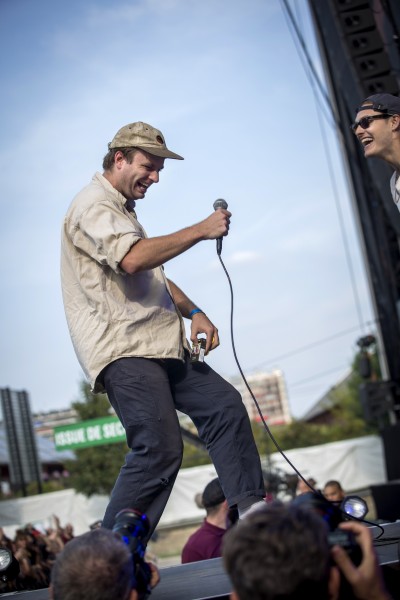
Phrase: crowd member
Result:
[66,533]
[303,487]
[36,552]
[97,565]
[377,127]
[282,551]
[206,542]
[126,323]
[5,541]
[333,491]
[29,549]
[54,542]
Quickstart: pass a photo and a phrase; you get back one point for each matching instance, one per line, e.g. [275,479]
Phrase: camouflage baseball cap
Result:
[143,136]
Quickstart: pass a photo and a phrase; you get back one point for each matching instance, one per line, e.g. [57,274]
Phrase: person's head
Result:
[280,551]
[135,158]
[213,497]
[21,538]
[96,566]
[333,491]
[303,488]
[377,126]
[68,531]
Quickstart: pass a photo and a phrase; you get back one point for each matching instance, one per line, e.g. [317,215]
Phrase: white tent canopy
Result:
[356,463]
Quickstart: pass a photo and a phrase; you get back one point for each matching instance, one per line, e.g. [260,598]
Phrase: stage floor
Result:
[206,580]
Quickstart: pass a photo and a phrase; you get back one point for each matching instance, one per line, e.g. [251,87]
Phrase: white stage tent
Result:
[356,463]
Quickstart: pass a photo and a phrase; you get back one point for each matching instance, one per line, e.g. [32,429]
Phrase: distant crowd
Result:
[36,552]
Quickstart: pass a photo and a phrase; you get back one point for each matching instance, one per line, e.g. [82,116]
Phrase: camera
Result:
[133,527]
[333,514]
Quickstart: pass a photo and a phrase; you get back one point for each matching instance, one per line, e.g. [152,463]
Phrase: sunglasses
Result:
[365,122]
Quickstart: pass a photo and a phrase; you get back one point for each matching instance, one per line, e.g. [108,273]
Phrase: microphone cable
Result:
[266,427]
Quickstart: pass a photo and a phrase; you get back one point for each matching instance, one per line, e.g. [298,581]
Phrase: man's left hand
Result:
[202,324]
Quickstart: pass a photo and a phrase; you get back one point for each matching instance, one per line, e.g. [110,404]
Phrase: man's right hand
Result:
[366,579]
[216,225]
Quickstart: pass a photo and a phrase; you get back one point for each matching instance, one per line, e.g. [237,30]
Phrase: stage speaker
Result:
[357,20]
[381,84]
[391,444]
[387,500]
[368,44]
[371,65]
[364,42]
[343,5]
[376,400]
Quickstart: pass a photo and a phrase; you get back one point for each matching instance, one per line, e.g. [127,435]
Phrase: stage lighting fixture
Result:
[9,566]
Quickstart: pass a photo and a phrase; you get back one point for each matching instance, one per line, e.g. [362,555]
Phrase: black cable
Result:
[267,429]
[384,541]
[314,79]
[288,13]
[351,518]
[312,345]
[318,375]
[341,223]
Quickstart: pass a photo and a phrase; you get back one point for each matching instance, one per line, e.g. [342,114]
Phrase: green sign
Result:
[95,432]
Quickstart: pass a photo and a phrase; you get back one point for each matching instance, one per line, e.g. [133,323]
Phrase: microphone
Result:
[220,203]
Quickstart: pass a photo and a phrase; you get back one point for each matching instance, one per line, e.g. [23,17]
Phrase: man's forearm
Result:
[201,324]
[149,253]
[184,304]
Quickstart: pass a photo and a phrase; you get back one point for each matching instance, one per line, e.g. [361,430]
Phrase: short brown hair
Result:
[280,551]
[96,565]
[109,159]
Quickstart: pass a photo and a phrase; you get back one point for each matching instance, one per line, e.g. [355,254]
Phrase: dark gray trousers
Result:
[145,393]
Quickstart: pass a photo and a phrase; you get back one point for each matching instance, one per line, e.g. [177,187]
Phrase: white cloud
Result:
[245,257]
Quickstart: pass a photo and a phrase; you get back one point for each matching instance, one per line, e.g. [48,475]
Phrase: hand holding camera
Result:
[364,578]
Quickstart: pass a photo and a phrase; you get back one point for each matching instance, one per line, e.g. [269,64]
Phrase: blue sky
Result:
[224,83]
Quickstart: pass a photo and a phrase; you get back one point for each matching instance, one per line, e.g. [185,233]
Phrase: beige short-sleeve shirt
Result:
[110,313]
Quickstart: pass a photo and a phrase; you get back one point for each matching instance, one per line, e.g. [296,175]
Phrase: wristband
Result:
[194,312]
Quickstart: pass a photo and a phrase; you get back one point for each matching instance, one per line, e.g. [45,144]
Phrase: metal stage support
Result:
[206,580]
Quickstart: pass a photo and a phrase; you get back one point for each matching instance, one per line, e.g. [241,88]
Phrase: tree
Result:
[346,419]
[95,469]
[92,405]
[296,434]
[193,456]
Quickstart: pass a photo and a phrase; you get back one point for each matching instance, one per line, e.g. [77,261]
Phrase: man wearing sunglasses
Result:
[377,127]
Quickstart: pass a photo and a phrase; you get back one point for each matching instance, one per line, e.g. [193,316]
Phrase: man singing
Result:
[126,323]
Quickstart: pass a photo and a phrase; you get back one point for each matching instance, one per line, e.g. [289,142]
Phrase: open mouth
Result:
[366,141]
[142,187]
